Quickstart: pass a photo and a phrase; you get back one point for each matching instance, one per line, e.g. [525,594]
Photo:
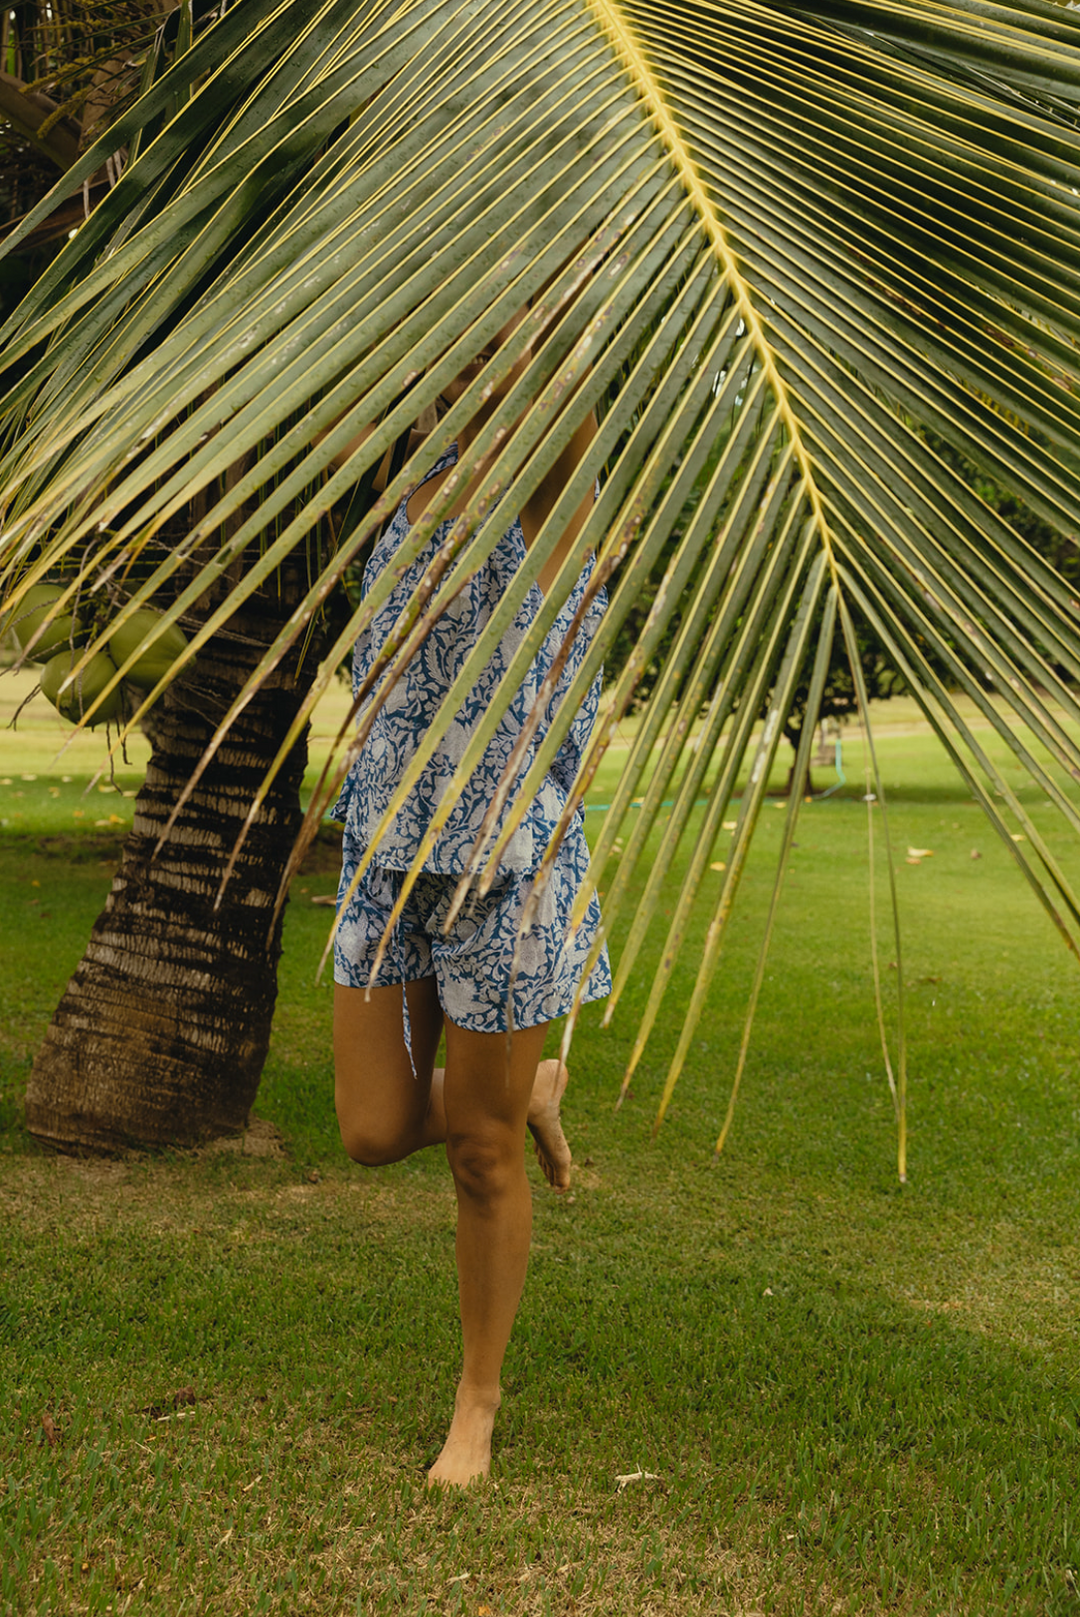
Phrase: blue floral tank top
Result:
[405,716]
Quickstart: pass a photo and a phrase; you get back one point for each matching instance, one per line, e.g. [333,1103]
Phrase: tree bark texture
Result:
[162,1033]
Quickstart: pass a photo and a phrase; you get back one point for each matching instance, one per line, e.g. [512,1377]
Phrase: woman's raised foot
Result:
[545,1123]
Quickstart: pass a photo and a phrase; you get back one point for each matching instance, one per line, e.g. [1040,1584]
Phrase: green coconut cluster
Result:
[56,641]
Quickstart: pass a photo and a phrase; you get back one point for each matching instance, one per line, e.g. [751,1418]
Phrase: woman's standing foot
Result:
[466,1454]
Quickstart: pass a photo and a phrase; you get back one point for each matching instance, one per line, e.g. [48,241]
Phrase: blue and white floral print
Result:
[479,982]
[405,716]
[488,977]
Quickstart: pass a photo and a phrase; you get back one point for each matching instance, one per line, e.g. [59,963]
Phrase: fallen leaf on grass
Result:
[718,865]
[51,1430]
[1018,836]
[462,1577]
[729,825]
[920,853]
[325,898]
[636,1476]
[975,854]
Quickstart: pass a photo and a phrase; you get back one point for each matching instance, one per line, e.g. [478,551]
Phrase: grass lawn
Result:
[223,1373]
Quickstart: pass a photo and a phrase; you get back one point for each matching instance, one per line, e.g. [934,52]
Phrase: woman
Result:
[391,1099]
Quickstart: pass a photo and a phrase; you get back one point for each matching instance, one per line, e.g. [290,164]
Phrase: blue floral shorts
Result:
[473,964]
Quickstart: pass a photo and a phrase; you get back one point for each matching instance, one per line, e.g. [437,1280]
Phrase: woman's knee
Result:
[372,1140]
[364,1147]
[485,1163]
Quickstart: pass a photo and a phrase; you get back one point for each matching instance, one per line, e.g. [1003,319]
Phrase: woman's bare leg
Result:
[491,1089]
[387,1112]
[488,1086]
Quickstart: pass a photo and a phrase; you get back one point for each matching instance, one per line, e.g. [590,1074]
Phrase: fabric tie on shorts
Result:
[395,878]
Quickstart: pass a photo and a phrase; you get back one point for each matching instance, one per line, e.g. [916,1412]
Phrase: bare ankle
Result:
[477,1400]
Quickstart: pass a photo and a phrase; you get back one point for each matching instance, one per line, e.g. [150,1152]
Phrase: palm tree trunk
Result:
[162,1033]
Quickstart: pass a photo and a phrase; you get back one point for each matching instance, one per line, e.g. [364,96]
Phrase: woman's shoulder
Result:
[420,495]
[397,529]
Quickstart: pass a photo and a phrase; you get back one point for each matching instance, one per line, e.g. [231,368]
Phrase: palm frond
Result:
[791,818]
[769,246]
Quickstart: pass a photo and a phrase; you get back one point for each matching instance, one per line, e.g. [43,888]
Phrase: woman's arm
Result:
[538,508]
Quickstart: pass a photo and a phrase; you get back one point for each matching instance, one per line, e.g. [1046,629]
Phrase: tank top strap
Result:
[447,458]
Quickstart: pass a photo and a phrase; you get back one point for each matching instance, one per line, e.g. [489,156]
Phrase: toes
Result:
[545,1166]
[549,1168]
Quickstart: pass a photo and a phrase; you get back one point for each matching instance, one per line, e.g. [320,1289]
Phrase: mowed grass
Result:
[222,1374]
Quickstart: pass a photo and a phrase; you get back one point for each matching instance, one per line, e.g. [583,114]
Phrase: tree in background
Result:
[65,69]
[162,1033]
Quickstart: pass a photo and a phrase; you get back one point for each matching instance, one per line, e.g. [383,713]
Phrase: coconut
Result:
[162,647]
[31,613]
[84,690]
